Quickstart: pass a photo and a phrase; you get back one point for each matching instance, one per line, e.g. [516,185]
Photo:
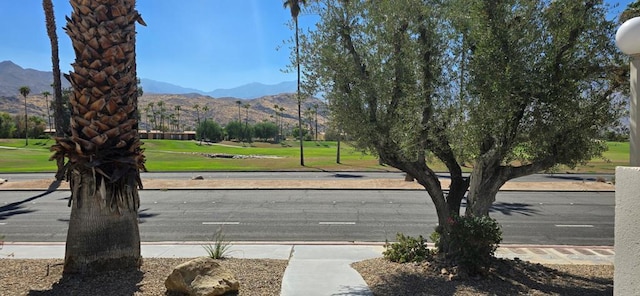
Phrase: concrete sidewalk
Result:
[319,268]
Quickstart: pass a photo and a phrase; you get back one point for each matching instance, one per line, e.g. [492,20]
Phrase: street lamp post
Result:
[628,40]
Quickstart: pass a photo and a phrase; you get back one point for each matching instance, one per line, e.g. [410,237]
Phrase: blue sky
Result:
[202,44]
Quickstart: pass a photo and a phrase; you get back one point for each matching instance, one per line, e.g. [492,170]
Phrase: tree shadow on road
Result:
[142,215]
[510,208]
[17,208]
[573,178]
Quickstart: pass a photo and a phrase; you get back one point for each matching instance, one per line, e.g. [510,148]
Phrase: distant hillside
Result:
[159,87]
[225,110]
[12,77]
[221,110]
[247,91]
[255,90]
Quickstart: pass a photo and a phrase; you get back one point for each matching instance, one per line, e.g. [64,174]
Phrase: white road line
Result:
[337,223]
[3,223]
[220,223]
[575,225]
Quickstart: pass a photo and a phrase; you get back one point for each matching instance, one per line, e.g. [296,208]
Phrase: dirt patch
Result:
[314,184]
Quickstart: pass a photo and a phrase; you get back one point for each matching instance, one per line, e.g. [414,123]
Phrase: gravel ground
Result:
[264,277]
[44,277]
[507,277]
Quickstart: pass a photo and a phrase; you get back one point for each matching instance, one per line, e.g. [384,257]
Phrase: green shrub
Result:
[435,239]
[473,241]
[407,249]
[220,247]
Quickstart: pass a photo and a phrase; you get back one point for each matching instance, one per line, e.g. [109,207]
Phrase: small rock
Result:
[444,271]
[202,276]
[198,178]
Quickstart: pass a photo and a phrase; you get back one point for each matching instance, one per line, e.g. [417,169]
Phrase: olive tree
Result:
[508,87]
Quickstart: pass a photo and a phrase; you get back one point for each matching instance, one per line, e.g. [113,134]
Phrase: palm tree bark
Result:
[58,107]
[294,6]
[24,91]
[103,147]
[298,95]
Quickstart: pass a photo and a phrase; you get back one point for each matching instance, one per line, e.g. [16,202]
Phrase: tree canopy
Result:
[509,87]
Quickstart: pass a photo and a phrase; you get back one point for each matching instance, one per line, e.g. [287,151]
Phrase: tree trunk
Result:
[485,183]
[103,147]
[103,234]
[26,123]
[58,107]
[298,96]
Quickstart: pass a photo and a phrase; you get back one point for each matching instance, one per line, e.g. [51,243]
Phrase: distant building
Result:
[155,134]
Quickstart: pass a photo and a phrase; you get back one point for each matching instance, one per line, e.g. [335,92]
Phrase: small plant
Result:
[407,249]
[435,239]
[474,241]
[1,241]
[220,246]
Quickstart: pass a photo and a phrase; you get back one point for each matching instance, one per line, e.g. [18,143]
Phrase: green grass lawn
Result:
[174,155]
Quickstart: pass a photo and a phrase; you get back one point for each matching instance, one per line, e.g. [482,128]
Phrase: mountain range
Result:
[247,91]
[253,102]
[12,77]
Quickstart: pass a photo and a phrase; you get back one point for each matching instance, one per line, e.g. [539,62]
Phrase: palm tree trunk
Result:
[26,123]
[103,228]
[46,102]
[58,109]
[103,147]
[298,96]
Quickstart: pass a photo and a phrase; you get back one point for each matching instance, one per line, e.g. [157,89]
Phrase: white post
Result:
[626,278]
[634,113]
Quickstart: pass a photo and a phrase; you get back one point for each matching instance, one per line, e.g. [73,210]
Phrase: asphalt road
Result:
[558,218]
[308,176]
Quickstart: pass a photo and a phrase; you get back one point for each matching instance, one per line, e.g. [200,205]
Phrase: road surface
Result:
[563,218]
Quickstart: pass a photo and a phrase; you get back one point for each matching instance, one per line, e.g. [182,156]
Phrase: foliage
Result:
[265,130]
[632,10]
[305,134]
[510,87]
[434,237]
[220,246]
[332,134]
[473,241]
[618,135]
[210,131]
[407,249]
[7,125]
[234,130]
[36,126]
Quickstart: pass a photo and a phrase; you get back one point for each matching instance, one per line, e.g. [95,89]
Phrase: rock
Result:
[2,181]
[202,276]
[198,178]
[444,271]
